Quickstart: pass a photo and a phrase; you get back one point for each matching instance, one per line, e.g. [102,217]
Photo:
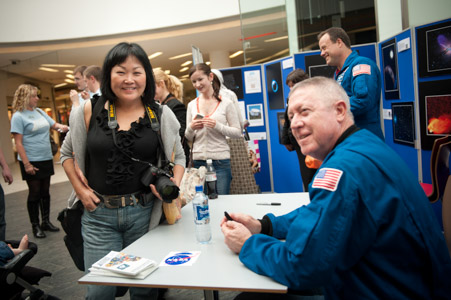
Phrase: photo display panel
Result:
[274,86]
[403,123]
[315,65]
[435,111]
[233,80]
[434,49]
[390,70]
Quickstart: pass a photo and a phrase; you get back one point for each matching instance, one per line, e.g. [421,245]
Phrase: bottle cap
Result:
[199,188]
[209,161]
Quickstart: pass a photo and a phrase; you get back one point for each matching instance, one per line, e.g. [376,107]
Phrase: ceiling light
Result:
[167,72]
[276,39]
[70,76]
[181,55]
[57,66]
[207,63]
[183,69]
[69,80]
[60,85]
[48,69]
[155,55]
[68,71]
[184,76]
[236,54]
[186,63]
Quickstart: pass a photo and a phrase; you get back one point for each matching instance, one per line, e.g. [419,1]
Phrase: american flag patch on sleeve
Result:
[327,179]
[361,69]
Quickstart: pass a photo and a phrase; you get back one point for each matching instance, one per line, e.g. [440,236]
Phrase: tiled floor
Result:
[52,254]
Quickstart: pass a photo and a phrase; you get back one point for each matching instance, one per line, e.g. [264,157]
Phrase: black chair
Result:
[16,276]
[441,182]
[439,169]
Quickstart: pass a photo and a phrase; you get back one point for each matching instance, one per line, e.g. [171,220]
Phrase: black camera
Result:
[160,178]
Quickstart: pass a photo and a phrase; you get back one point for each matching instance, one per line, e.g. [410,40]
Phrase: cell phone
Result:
[199,116]
[228,217]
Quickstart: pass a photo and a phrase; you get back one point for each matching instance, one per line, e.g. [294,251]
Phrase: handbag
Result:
[191,178]
[53,145]
[70,219]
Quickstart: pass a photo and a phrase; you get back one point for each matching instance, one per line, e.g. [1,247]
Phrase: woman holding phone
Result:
[210,120]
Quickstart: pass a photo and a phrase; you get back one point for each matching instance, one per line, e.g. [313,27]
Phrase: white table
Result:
[217,268]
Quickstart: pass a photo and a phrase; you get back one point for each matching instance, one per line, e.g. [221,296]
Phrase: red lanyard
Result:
[197,103]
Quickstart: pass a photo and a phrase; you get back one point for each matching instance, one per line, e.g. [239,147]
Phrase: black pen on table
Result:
[269,203]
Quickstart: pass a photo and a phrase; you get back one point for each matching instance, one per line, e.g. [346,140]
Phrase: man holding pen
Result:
[369,231]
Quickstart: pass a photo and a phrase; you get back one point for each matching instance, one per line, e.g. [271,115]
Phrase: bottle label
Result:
[210,177]
[202,214]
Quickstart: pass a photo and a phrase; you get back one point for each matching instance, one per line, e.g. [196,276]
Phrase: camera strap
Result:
[155,125]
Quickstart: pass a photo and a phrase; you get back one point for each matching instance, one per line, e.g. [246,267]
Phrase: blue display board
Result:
[396,66]
[285,166]
[250,98]
[434,77]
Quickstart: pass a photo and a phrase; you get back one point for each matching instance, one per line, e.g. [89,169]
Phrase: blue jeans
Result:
[223,174]
[112,229]
[2,215]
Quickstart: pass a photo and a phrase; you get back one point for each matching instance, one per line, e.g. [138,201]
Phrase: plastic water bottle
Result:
[201,216]
[211,180]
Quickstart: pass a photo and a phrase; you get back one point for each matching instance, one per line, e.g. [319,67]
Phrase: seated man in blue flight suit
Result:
[369,231]
[358,75]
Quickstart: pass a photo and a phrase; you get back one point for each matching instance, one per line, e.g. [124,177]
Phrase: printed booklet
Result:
[125,264]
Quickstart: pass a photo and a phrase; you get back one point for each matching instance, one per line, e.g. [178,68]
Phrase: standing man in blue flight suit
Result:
[369,231]
[358,75]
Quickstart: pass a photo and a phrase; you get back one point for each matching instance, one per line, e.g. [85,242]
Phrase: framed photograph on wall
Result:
[233,80]
[403,117]
[434,49]
[435,111]
[315,65]
[280,124]
[274,86]
[390,70]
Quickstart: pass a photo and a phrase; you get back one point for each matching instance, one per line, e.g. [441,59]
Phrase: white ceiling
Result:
[219,34]
[25,59]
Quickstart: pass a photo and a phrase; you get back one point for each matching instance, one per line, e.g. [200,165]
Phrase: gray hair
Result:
[328,90]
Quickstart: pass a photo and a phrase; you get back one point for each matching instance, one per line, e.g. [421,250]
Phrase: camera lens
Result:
[167,189]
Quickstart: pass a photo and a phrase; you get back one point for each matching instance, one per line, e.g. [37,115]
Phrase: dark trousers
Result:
[38,197]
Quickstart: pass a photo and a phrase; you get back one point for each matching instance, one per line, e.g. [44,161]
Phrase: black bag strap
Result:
[155,125]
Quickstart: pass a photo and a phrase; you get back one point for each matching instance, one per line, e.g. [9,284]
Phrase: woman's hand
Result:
[88,198]
[155,192]
[196,124]
[30,169]
[209,122]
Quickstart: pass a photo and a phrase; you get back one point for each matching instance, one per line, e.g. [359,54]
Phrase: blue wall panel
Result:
[407,94]
[263,177]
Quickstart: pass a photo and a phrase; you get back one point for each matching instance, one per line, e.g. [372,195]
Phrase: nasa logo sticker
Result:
[179,258]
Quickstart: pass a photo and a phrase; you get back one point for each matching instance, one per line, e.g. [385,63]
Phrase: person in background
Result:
[92,76]
[30,128]
[288,140]
[225,93]
[210,119]
[8,177]
[358,75]
[76,97]
[168,92]
[97,158]
[369,231]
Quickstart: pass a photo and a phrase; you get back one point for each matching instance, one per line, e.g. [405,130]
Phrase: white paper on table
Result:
[180,258]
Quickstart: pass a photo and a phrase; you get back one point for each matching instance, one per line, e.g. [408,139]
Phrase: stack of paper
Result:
[119,264]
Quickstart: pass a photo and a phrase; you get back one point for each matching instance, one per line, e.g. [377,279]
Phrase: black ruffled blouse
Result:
[109,171]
